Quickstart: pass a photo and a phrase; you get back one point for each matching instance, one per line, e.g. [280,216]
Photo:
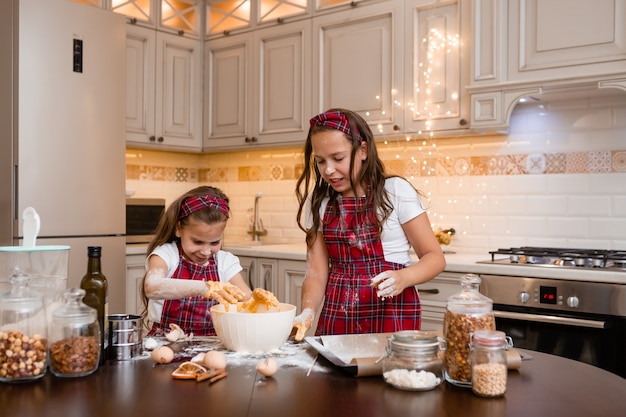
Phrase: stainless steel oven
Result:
[573,318]
[142,218]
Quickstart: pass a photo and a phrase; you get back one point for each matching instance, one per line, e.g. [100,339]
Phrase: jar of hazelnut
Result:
[466,312]
[74,337]
[23,333]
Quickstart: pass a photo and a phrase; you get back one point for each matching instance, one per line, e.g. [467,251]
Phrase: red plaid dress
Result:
[356,255]
[192,314]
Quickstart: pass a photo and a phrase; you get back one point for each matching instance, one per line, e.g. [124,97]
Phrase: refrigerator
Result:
[62,131]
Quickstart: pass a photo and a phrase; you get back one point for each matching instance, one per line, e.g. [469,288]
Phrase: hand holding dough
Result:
[223,292]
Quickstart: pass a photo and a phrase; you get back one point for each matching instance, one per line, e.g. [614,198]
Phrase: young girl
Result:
[360,224]
[186,270]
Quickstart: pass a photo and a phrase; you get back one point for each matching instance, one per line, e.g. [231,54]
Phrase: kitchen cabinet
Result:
[539,47]
[182,17]
[135,271]
[261,273]
[434,296]
[359,60]
[437,66]
[291,275]
[259,87]
[228,17]
[163,91]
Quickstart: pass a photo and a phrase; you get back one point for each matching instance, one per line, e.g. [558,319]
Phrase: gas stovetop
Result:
[562,257]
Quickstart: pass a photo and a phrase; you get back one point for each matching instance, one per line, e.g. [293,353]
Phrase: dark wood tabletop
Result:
[305,385]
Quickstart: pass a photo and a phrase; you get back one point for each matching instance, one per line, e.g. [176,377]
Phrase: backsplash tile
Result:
[554,180]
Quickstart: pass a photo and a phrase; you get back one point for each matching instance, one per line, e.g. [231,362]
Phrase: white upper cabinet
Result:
[228,17]
[437,66]
[553,39]
[164,90]
[183,17]
[259,84]
[542,47]
[358,58]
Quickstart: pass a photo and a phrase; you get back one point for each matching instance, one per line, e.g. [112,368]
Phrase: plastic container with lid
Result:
[413,361]
[23,333]
[74,337]
[489,363]
[466,312]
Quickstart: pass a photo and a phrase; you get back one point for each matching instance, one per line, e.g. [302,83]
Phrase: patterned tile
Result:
[577,162]
[599,162]
[556,163]
[619,161]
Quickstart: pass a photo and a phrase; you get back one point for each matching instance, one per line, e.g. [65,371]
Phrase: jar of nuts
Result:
[466,312]
[74,337]
[489,368]
[23,333]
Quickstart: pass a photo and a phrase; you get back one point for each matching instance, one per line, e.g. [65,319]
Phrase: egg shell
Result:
[267,367]
[214,359]
[162,354]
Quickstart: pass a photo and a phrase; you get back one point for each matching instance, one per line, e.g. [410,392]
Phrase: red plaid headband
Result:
[193,204]
[337,120]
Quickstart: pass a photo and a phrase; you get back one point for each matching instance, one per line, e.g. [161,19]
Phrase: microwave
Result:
[142,218]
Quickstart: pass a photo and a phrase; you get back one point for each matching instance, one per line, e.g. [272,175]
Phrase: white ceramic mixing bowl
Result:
[262,331]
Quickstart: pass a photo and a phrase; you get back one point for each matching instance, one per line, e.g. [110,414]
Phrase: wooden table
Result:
[545,386]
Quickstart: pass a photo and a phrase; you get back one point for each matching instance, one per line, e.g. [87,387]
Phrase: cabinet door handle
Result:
[152,138]
[160,139]
[267,278]
[250,275]
[429,290]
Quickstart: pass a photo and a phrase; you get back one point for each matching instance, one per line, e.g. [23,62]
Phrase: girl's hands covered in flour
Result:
[386,285]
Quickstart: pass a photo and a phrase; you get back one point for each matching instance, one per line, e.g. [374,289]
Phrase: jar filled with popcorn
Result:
[489,368]
[466,312]
[23,333]
[413,360]
[74,337]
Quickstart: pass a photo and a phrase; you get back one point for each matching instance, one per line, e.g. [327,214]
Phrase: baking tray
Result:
[354,354]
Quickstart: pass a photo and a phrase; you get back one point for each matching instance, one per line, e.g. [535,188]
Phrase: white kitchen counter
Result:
[458,262]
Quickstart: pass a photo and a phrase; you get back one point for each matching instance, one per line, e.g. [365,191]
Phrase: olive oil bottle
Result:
[96,295]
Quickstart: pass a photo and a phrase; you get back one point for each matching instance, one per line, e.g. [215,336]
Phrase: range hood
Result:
[492,106]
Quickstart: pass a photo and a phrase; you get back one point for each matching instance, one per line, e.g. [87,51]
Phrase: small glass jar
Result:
[23,338]
[413,361]
[489,368]
[74,337]
[466,312]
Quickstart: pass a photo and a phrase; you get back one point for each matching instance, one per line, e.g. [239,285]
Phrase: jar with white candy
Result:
[413,361]
[489,362]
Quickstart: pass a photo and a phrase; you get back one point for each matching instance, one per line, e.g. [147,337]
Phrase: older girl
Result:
[360,224]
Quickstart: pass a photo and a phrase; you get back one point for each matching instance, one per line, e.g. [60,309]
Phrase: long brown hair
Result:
[371,178]
[166,229]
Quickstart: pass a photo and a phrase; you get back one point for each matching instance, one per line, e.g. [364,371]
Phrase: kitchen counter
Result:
[305,386]
[456,262]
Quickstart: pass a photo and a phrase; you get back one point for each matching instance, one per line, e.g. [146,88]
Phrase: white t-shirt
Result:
[227,267]
[406,206]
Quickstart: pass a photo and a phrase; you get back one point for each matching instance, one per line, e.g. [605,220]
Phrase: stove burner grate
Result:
[579,258]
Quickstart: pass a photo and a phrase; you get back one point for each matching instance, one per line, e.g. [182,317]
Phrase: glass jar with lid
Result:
[74,337]
[23,333]
[466,312]
[413,360]
[489,367]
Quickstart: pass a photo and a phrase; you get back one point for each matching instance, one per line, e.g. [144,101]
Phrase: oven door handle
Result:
[566,321]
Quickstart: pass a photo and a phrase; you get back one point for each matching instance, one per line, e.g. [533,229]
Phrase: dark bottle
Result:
[96,295]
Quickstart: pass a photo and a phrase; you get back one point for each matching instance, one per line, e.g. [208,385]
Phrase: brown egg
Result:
[163,354]
[214,359]
[267,367]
